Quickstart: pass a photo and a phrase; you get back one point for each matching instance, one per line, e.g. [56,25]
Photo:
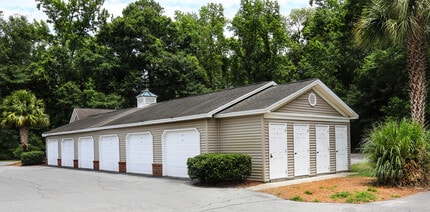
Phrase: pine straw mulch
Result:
[322,191]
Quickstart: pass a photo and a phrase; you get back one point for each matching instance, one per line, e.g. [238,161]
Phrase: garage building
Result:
[290,130]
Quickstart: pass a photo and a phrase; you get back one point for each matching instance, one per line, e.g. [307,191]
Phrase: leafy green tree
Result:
[259,44]
[21,44]
[401,24]
[145,40]
[23,110]
[74,20]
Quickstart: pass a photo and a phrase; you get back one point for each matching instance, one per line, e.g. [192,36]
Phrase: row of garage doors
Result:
[177,147]
[278,162]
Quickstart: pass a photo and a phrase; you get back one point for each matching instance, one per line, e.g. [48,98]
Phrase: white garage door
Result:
[109,152]
[178,146]
[52,150]
[86,152]
[139,153]
[67,152]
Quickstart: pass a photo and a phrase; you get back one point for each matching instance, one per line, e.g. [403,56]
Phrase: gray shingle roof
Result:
[82,113]
[268,97]
[201,105]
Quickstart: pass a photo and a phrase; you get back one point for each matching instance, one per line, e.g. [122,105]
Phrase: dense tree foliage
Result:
[402,24]
[23,110]
[79,57]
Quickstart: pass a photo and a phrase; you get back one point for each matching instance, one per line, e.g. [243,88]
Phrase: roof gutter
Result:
[137,124]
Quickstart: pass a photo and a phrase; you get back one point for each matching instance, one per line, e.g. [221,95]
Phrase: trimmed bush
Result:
[32,158]
[219,167]
[398,153]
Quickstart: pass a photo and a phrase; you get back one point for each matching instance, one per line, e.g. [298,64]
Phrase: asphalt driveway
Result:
[42,188]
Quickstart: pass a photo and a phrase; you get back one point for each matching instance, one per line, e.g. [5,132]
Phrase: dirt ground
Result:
[341,190]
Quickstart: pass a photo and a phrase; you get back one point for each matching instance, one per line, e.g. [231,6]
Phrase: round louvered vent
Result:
[312,99]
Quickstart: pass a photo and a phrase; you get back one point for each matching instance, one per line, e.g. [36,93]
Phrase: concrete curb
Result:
[298,181]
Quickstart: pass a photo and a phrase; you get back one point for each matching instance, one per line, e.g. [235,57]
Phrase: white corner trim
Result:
[305,117]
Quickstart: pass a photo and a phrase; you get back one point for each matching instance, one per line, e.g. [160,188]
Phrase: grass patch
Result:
[340,195]
[279,193]
[362,170]
[372,189]
[361,196]
[315,200]
[296,198]
[308,192]
[395,196]
[331,188]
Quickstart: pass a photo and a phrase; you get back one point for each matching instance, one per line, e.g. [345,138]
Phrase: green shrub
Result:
[397,152]
[35,143]
[214,168]
[32,158]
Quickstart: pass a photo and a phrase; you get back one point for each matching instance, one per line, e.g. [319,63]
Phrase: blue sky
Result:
[28,7]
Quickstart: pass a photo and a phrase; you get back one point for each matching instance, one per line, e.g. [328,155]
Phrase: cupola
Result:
[146,98]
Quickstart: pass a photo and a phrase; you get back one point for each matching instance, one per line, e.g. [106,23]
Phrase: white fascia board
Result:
[137,124]
[241,113]
[292,96]
[74,116]
[305,117]
[351,113]
[235,101]
[335,101]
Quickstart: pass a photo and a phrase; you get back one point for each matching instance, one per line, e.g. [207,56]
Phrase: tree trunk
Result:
[23,133]
[416,59]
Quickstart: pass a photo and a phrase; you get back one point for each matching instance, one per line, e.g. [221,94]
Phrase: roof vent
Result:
[146,98]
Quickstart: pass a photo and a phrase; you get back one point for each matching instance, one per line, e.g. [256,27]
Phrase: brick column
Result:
[122,167]
[96,165]
[157,169]
[75,164]
[59,162]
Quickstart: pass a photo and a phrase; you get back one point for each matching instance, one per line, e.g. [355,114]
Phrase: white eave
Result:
[325,93]
[136,124]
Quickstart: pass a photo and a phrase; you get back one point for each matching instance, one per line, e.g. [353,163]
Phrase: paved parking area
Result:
[42,188]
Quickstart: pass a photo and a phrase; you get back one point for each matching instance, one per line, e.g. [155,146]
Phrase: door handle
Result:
[271,156]
[295,153]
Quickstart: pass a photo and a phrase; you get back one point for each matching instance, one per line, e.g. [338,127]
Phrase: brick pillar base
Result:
[157,169]
[59,162]
[122,167]
[96,165]
[75,164]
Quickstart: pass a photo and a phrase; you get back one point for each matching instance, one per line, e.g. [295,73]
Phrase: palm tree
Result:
[402,23]
[23,110]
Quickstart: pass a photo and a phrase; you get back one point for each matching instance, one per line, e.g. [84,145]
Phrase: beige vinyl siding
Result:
[155,130]
[312,143]
[243,135]
[213,141]
[301,105]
